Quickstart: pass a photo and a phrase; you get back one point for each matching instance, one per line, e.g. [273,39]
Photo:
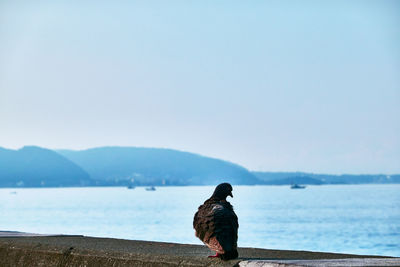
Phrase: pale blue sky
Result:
[271,85]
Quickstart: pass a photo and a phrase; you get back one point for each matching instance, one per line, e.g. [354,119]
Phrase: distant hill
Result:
[34,166]
[121,166]
[155,166]
[275,178]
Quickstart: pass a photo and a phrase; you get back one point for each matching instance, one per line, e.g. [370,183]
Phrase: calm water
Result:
[362,219]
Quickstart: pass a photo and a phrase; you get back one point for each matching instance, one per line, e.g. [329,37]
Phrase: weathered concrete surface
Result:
[316,263]
[90,251]
[23,234]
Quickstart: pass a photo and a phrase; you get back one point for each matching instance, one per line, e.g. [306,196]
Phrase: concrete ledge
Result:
[315,263]
[90,251]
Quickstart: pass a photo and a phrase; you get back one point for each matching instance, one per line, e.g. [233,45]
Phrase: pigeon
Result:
[216,224]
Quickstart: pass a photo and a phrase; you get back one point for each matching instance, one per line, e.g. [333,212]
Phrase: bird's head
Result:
[222,191]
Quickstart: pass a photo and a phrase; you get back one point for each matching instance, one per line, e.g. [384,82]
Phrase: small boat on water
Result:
[151,188]
[131,187]
[296,186]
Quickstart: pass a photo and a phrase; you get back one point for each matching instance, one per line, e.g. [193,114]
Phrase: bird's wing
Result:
[216,225]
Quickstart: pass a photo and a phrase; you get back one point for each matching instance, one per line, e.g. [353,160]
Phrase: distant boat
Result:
[296,186]
[151,188]
[131,187]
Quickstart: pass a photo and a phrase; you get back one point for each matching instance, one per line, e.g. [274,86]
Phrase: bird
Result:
[216,224]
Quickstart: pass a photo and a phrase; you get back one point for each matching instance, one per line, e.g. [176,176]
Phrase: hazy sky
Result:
[271,85]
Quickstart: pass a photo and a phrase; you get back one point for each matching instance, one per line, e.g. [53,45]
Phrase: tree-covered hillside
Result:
[34,166]
[121,166]
[156,166]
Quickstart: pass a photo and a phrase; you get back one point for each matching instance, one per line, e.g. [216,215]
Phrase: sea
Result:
[358,219]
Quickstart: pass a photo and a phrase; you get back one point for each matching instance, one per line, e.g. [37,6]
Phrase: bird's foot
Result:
[215,256]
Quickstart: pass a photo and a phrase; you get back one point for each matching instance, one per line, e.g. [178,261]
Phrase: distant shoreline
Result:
[37,167]
[161,186]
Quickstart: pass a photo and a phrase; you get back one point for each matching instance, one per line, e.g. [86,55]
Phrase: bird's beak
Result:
[231,194]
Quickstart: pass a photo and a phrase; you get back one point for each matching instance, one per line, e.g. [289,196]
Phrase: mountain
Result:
[155,166]
[39,167]
[34,166]
[275,178]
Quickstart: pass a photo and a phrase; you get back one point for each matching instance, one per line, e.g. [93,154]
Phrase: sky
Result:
[271,85]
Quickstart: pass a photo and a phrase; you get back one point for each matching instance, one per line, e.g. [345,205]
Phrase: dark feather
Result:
[216,224]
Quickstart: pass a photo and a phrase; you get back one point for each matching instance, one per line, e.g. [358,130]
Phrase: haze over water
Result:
[360,219]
